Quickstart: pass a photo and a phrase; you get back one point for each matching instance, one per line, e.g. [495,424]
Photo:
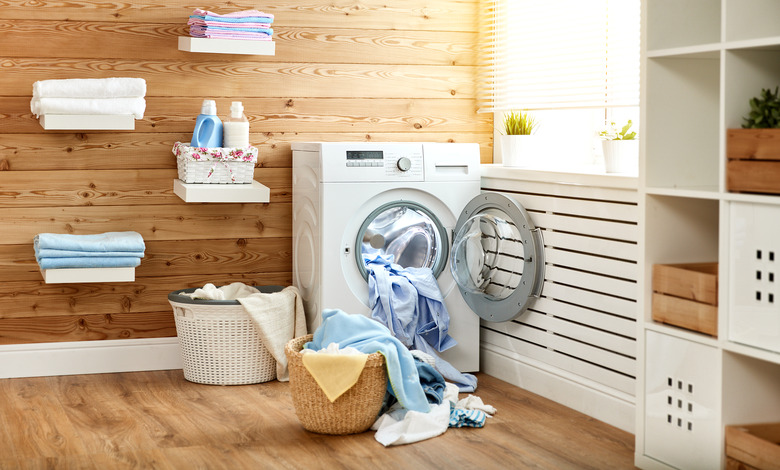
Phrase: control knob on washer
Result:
[404,164]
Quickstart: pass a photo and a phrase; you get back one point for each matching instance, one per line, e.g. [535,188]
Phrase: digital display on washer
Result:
[365,155]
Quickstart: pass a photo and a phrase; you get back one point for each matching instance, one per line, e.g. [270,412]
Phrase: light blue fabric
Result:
[431,381]
[234,19]
[369,336]
[89,262]
[109,241]
[246,30]
[460,418]
[409,302]
[48,253]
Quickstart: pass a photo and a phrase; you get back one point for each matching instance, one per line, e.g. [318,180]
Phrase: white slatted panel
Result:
[585,322]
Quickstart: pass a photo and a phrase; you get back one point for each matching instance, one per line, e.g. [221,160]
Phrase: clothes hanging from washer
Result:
[409,302]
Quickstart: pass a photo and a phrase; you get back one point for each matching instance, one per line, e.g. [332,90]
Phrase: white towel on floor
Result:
[279,317]
[116,87]
[402,426]
[134,106]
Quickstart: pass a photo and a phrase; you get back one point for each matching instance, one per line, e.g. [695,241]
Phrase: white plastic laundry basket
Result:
[220,344]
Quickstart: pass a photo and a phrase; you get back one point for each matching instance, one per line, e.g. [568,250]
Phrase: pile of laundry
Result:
[89,96]
[102,250]
[247,24]
[419,404]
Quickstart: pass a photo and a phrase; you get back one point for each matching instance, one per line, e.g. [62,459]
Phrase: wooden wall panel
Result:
[344,71]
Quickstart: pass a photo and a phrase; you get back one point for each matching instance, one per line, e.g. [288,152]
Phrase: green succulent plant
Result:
[764,111]
[613,133]
[519,123]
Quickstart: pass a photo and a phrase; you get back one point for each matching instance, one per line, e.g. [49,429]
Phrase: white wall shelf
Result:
[226,193]
[87,122]
[226,46]
[703,60]
[79,275]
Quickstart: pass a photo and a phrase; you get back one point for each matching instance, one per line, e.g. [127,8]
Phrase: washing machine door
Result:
[497,257]
[406,231]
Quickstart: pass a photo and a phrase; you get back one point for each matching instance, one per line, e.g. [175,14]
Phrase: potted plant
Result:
[518,144]
[753,152]
[621,148]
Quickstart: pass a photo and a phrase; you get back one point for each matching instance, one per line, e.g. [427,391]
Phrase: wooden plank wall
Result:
[344,70]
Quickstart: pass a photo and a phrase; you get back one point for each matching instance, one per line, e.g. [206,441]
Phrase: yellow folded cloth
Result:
[335,373]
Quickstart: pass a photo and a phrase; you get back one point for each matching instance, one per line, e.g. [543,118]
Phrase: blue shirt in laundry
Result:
[409,302]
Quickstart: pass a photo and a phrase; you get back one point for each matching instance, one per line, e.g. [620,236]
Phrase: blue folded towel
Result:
[100,242]
[369,336]
[115,262]
[49,253]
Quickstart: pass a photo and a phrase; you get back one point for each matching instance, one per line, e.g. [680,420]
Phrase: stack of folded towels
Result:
[117,95]
[102,250]
[248,24]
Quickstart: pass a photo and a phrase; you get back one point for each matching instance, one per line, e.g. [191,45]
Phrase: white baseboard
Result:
[89,357]
[610,406]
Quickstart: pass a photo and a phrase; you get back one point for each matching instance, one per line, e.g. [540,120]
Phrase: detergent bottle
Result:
[208,127]
[236,127]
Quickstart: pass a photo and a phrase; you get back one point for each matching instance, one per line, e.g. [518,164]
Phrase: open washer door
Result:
[497,257]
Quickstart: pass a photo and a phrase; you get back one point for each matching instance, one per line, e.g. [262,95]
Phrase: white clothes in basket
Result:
[279,316]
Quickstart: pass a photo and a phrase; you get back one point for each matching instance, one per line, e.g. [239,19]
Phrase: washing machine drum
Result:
[497,257]
[408,232]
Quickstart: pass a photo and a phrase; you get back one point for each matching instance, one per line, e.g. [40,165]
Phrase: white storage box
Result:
[754,276]
[220,345]
[220,165]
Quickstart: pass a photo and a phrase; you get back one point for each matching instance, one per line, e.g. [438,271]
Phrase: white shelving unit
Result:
[87,122]
[226,46]
[702,61]
[79,275]
[254,193]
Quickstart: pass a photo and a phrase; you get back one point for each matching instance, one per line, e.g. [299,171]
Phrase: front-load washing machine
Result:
[421,204]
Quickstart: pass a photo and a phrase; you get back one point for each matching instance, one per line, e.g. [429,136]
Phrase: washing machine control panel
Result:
[385,164]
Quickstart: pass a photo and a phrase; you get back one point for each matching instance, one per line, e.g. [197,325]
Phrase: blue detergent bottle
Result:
[208,127]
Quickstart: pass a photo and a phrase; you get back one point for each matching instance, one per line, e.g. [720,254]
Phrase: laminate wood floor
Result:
[159,420]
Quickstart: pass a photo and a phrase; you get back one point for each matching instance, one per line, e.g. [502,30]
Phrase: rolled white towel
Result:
[134,106]
[116,87]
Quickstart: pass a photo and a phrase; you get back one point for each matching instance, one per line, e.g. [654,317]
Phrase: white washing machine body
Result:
[340,188]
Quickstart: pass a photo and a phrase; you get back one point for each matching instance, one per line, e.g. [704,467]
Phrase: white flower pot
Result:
[621,156]
[519,150]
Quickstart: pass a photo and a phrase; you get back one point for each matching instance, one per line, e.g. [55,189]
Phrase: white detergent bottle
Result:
[236,127]
[208,127]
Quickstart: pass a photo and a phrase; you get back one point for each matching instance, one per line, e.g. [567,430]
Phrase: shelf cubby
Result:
[682,125]
[673,24]
[749,19]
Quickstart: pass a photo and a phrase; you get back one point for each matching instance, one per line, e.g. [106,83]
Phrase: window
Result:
[573,63]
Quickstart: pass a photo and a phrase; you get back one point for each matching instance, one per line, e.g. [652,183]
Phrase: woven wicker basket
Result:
[215,165]
[219,342]
[353,412]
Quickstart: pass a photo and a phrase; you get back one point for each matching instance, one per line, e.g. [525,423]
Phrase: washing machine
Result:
[421,204]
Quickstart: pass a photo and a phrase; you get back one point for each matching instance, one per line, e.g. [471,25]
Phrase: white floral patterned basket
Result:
[219,165]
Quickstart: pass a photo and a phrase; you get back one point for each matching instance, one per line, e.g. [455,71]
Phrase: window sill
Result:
[585,176]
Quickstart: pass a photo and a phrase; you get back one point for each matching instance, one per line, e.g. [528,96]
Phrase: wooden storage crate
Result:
[753,160]
[686,295]
[755,446]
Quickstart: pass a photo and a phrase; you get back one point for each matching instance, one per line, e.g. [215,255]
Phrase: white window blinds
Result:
[559,54]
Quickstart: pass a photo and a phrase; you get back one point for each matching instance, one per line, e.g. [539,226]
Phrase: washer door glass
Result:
[497,257]
[408,232]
